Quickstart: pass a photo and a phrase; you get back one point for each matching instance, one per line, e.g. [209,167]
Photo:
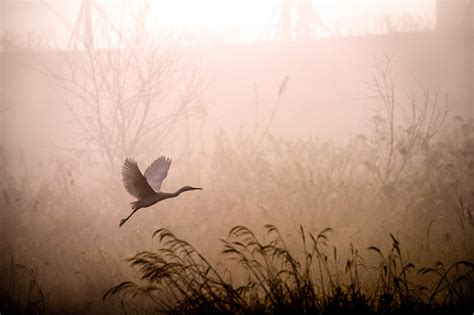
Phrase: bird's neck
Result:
[179,191]
[165,195]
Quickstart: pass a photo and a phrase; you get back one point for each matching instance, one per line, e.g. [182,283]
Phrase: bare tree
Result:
[401,131]
[126,90]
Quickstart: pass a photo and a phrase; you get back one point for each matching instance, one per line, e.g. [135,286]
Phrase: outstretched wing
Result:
[133,180]
[157,171]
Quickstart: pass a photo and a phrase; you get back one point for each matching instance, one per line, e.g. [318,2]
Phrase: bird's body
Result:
[146,188]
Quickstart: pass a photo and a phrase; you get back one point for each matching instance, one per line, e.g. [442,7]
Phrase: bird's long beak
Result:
[197,188]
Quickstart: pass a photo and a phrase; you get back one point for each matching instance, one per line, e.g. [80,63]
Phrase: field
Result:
[383,224]
[299,214]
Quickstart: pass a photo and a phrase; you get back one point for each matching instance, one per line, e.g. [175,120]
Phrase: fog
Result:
[340,134]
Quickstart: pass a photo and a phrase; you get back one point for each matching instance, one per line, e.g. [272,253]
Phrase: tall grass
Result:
[20,292]
[59,218]
[297,279]
[62,222]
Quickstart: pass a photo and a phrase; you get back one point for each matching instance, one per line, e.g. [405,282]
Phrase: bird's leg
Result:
[122,222]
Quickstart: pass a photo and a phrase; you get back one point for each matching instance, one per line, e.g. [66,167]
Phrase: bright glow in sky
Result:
[243,18]
[221,20]
[256,19]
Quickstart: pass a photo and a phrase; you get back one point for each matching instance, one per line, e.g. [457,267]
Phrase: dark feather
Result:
[133,180]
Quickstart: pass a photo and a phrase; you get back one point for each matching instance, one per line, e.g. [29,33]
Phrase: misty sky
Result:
[231,20]
[356,117]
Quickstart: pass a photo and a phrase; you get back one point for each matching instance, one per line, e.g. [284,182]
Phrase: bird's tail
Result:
[135,205]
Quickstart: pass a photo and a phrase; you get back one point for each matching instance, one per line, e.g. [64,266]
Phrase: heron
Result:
[146,187]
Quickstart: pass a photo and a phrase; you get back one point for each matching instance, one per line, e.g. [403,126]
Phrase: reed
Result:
[297,279]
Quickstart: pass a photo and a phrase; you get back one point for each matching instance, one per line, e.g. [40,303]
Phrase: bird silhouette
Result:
[146,187]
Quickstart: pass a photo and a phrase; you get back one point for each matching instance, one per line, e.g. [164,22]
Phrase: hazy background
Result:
[235,44]
[279,109]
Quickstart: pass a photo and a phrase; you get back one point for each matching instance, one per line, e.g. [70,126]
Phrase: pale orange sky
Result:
[249,19]
[229,20]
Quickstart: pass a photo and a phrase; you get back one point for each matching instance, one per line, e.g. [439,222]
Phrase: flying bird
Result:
[146,187]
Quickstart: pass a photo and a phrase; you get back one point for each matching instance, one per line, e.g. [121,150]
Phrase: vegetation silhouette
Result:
[177,279]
